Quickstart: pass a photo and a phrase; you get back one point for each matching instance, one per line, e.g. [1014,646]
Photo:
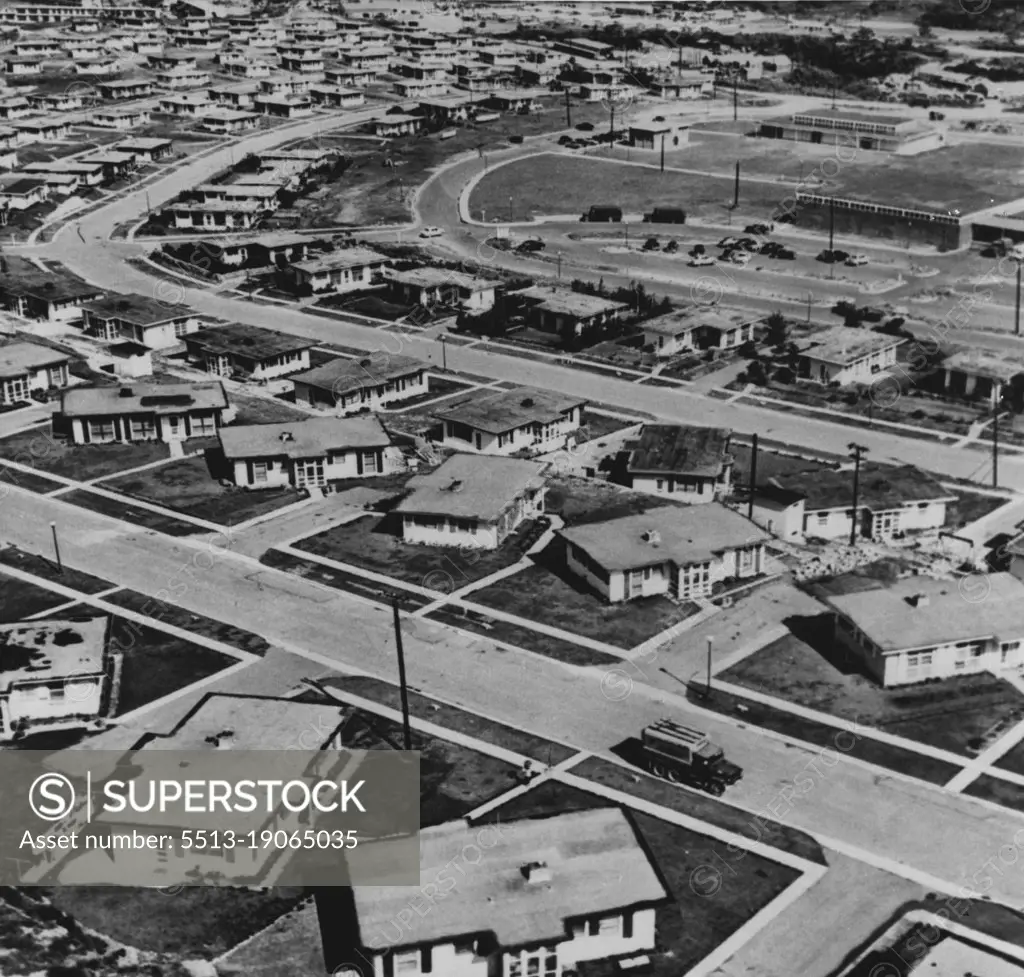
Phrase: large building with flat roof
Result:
[857,130]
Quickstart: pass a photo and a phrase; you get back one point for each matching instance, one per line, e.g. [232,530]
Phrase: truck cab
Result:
[684,755]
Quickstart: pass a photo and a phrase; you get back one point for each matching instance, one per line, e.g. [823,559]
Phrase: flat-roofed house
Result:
[398,124]
[981,373]
[695,328]
[563,311]
[21,194]
[241,349]
[438,286]
[54,295]
[682,551]
[691,464]
[130,359]
[56,674]
[26,368]
[115,91]
[124,118]
[340,271]
[511,421]
[539,903]
[283,106]
[336,96]
[472,501]
[145,320]
[310,453]
[920,628]
[217,215]
[142,412]
[348,385]
[892,500]
[149,150]
[843,355]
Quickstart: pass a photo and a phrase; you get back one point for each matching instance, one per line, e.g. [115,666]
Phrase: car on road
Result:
[672,247]
[652,244]
[531,246]
[832,257]
[857,260]
[739,257]
[516,139]
[684,755]
[659,118]
[563,139]
[786,254]
[728,242]
[586,127]
[431,232]
[748,244]
[701,261]
[757,229]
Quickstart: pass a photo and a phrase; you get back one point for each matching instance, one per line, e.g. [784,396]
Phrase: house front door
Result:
[175,429]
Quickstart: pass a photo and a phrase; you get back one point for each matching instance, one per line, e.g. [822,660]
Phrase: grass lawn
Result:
[264,410]
[583,500]
[39,566]
[180,617]
[599,426]
[1012,760]
[117,509]
[546,593]
[19,600]
[81,462]
[770,464]
[814,672]
[970,507]
[698,805]
[523,637]
[188,486]
[998,791]
[155,663]
[715,889]
[451,717]
[555,183]
[372,543]
[29,481]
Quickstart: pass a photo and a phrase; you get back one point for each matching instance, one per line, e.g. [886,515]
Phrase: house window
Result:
[180,328]
[694,579]
[369,462]
[101,430]
[204,425]
[610,926]
[822,518]
[660,484]
[259,471]
[1008,648]
[919,662]
[143,428]
[748,560]
[407,963]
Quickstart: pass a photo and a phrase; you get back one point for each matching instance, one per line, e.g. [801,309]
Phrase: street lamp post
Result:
[559,264]
[444,352]
[56,547]
[510,208]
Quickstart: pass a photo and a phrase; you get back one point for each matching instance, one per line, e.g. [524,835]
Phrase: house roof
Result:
[252,342]
[433,277]
[563,301]
[879,487]
[888,616]
[310,438]
[471,487]
[677,534]
[681,321]
[128,348]
[142,398]
[597,866]
[139,310]
[19,358]
[843,345]
[678,449]
[40,651]
[343,376]
[141,143]
[989,364]
[345,258]
[23,277]
[507,410]
[22,187]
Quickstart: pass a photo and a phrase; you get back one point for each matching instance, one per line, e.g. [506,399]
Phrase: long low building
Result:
[348,386]
[238,349]
[843,355]
[26,368]
[919,628]
[140,318]
[308,454]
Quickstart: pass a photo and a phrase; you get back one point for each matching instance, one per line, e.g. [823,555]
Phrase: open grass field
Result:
[557,183]
[809,670]
[188,486]
[45,569]
[37,449]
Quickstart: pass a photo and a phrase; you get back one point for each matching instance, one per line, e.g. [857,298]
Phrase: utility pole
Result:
[407,732]
[858,450]
[1016,318]
[444,352]
[995,447]
[510,208]
[56,547]
[809,297]
[559,264]
[707,688]
[735,98]
[663,170]
[831,223]
[753,476]
[568,111]
[736,189]
[611,130]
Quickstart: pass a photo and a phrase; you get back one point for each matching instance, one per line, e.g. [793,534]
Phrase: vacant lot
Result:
[811,670]
[556,183]
[374,543]
[771,464]
[39,449]
[715,888]
[583,500]
[548,594]
[188,486]
[264,410]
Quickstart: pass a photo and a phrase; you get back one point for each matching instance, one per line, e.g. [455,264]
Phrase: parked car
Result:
[515,139]
[728,242]
[684,755]
[748,244]
[533,245]
[786,254]
[757,229]
[739,257]
[672,247]
[586,142]
[586,127]
[431,232]
[659,118]
[563,139]
[652,244]
[831,257]
[701,261]
[857,260]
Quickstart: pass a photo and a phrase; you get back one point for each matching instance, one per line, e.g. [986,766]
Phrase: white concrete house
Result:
[511,421]
[891,502]
[981,373]
[538,904]
[680,551]
[345,270]
[845,355]
[697,327]
[434,286]
[56,674]
[348,386]
[145,320]
[690,464]
[310,453]
[249,351]
[471,501]
[142,412]
[920,628]
[26,368]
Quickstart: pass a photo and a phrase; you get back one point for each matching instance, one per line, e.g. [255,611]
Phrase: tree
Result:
[778,329]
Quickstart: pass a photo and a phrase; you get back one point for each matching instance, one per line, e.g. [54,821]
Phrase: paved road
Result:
[905,826]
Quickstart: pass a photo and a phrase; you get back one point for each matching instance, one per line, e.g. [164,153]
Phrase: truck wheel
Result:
[716,790]
[673,776]
[658,770]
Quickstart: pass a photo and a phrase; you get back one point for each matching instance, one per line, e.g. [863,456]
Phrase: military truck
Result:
[684,755]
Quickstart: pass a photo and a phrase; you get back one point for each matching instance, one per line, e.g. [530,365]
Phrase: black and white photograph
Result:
[511,488]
